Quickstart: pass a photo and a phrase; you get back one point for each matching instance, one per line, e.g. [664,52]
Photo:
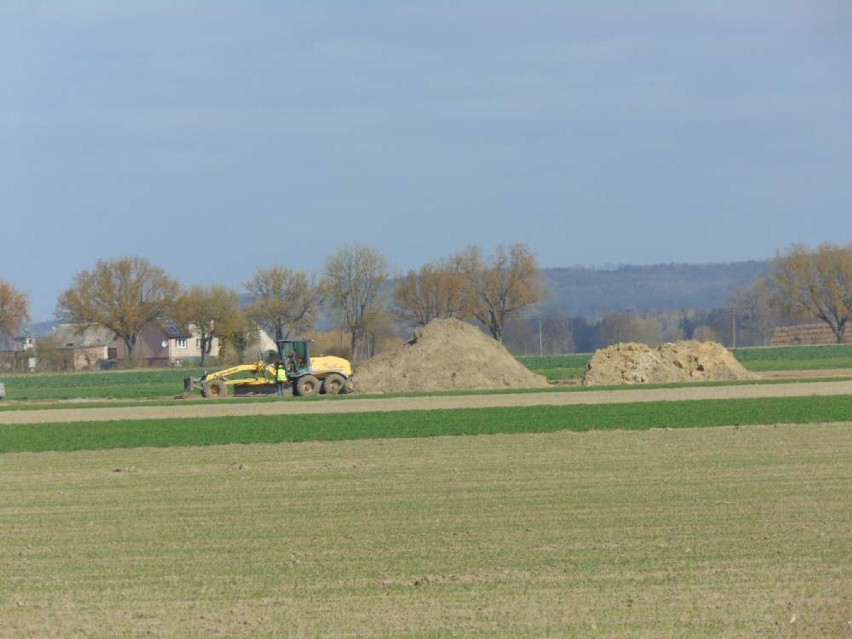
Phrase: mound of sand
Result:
[688,361]
[445,355]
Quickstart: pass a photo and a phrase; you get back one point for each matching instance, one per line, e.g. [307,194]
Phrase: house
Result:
[76,347]
[83,346]
[89,346]
[17,354]
[171,345]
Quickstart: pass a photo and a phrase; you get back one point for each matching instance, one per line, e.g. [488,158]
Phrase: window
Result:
[180,343]
[198,343]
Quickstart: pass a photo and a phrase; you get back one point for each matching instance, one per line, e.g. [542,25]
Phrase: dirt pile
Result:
[689,361]
[445,355]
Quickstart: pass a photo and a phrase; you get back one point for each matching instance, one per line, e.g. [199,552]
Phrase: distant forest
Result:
[659,288]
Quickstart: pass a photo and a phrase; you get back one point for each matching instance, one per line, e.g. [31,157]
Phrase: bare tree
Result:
[628,326]
[818,282]
[436,291]
[496,288]
[378,330]
[756,313]
[284,299]
[354,276]
[212,311]
[14,310]
[124,295]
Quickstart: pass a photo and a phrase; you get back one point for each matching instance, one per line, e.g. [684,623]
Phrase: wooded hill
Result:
[658,288]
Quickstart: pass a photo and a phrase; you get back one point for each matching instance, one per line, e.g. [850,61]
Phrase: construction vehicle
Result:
[306,375]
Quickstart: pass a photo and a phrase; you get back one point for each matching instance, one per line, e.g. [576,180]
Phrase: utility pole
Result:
[733,326]
[540,343]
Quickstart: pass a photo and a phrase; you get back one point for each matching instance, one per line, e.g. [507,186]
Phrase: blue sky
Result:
[215,138]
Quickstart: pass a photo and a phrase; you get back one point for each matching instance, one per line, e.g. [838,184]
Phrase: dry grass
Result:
[687,533]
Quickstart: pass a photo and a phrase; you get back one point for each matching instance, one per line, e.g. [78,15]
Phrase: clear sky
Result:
[218,137]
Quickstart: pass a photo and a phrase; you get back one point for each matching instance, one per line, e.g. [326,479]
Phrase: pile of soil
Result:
[445,355]
[689,361]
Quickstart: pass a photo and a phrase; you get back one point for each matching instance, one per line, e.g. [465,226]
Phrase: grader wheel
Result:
[306,386]
[334,384]
[216,388]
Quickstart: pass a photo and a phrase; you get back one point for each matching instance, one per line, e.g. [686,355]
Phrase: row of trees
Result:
[358,289]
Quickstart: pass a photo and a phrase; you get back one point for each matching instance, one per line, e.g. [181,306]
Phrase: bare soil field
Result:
[377,403]
[722,532]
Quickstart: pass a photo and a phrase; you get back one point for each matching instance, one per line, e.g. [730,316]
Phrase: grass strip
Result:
[197,399]
[383,425]
[793,353]
[760,366]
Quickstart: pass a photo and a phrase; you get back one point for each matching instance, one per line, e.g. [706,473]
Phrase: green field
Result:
[558,367]
[211,431]
[136,384]
[795,357]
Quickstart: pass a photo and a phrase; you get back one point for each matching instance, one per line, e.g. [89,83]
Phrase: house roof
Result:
[172,329]
[83,335]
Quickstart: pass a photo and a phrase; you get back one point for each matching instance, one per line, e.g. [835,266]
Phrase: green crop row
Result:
[558,367]
[483,421]
[794,353]
[537,363]
[798,364]
[796,357]
[141,384]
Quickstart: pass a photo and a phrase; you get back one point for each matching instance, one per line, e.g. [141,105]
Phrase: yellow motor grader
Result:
[306,375]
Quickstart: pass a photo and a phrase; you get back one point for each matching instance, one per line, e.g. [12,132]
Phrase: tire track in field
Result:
[377,404]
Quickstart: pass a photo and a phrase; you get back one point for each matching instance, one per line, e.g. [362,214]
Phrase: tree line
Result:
[356,287]
[498,291]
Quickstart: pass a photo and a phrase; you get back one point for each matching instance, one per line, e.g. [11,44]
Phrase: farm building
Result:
[83,346]
[17,354]
[802,334]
